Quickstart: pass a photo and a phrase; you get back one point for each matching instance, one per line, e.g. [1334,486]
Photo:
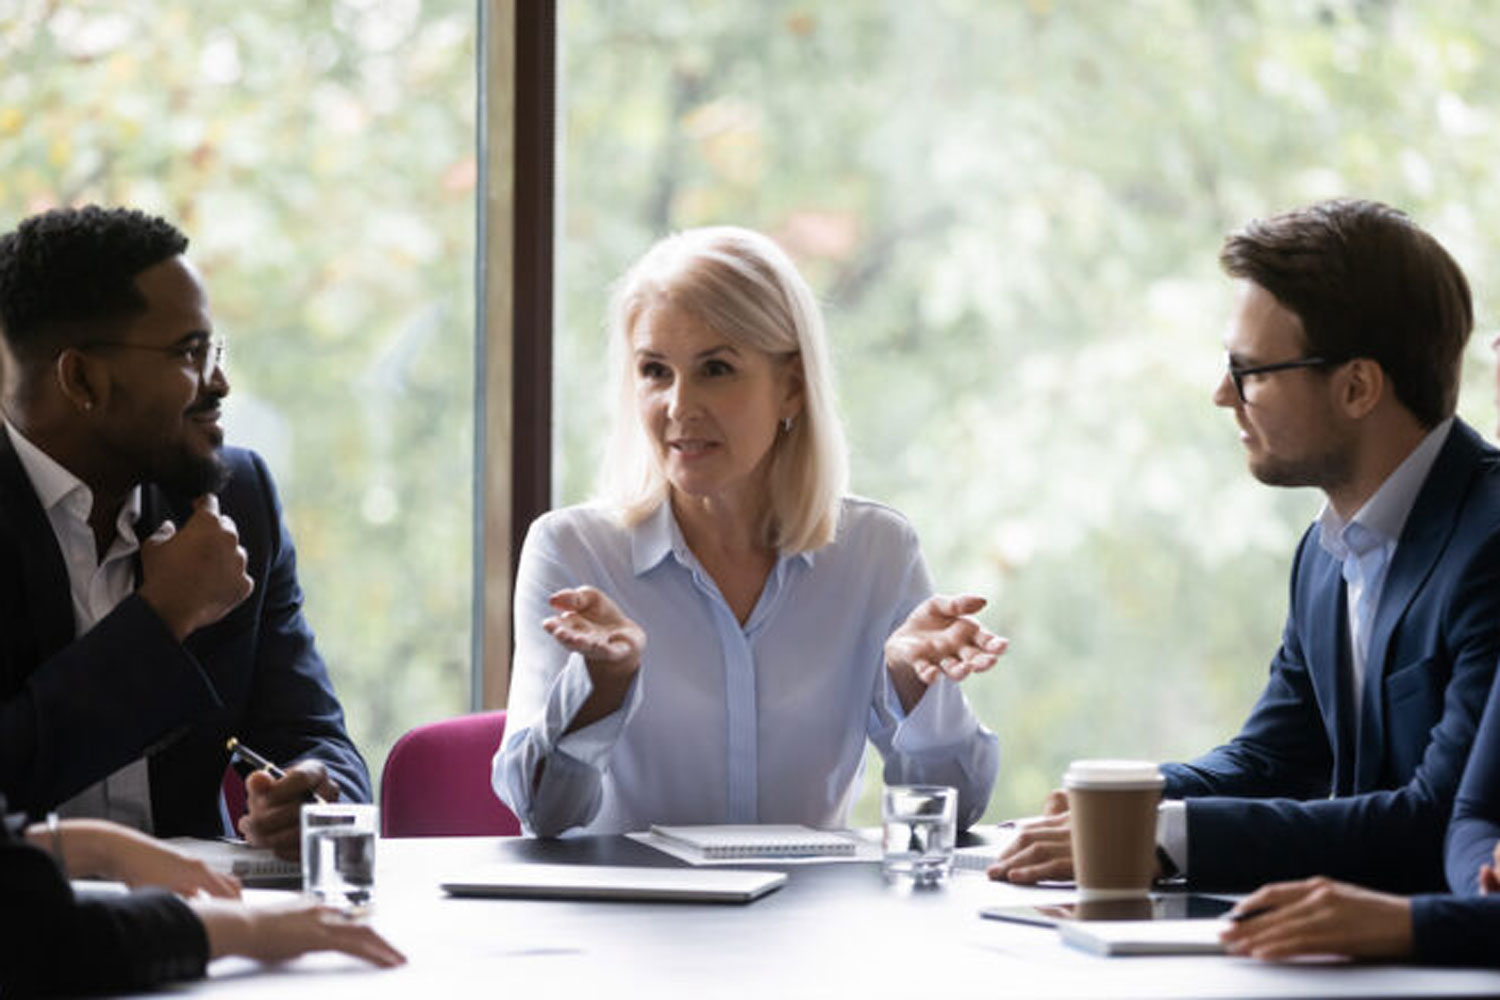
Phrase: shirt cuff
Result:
[592,744]
[939,720]
[1172,832]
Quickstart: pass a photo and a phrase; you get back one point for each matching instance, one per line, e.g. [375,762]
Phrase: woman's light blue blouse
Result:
[724,723]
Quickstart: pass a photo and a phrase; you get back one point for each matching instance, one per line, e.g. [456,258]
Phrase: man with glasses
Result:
[149,605]
[1344,355]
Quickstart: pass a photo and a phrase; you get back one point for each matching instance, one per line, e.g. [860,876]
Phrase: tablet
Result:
[1177,906]
[685,885]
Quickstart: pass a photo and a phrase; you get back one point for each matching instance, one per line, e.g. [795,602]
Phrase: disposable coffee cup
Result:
[1112,810]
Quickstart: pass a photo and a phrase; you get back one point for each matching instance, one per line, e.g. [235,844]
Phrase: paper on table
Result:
[254,866]
[864,850]
[1144,937]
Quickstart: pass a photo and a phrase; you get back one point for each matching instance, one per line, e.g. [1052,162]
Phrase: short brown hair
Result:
[1366,282]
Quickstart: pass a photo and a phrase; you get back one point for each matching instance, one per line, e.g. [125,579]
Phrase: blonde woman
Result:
[715,640]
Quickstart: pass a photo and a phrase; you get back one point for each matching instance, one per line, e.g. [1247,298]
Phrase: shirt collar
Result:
[655,538]
[1383,516]
[659,536]
[56,487]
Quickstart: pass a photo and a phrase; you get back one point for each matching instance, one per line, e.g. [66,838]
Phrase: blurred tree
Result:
[1013,212]
[320,156]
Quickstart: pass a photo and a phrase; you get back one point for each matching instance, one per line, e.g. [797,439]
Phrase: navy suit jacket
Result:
[1259,807]
[75,709]
[1451,930]
[1476,812]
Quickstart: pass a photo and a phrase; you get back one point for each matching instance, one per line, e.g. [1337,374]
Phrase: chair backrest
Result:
[233,802]
[436,781]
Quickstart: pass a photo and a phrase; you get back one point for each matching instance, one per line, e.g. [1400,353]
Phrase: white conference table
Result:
[835,929]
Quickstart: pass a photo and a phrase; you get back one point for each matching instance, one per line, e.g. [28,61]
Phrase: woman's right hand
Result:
[590,623]
[286,930]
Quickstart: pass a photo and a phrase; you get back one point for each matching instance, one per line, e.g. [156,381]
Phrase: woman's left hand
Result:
[939,638]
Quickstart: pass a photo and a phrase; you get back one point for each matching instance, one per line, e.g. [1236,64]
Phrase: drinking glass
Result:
[920,827]
[338,853]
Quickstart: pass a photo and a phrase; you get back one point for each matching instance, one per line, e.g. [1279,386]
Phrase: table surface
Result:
[835,929]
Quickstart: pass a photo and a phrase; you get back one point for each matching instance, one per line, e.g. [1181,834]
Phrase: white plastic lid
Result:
[1113,774]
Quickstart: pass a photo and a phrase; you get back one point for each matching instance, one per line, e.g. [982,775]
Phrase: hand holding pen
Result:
[275,798]
[1319,916]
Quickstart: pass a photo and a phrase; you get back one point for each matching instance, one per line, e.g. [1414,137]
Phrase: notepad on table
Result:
[255,867]
[758,841]
[1144,937]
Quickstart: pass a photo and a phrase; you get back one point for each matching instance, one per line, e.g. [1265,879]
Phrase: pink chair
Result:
[235,803]
[436,781]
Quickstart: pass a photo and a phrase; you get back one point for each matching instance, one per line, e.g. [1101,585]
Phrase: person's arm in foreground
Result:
[67,944]
[101,849]
[1474,832]
[1319,916]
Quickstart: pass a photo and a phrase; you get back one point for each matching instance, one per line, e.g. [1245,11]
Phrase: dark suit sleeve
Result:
[1449,930]
[1476,811]
[96,705]
[1282,749]
[59,943]
[292,712]
[1391,839]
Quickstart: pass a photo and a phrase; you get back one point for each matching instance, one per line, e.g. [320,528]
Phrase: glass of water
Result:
[338,853]
[920,825]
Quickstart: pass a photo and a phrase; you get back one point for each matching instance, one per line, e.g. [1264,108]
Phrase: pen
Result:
[1244,915]
[239,750]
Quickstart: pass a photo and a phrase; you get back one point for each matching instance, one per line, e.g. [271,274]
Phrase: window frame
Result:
[516,219]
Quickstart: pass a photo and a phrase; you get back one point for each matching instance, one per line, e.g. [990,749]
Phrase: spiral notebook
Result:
[759,841]
[256,868]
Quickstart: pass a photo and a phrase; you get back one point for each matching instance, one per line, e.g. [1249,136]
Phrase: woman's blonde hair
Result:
[746,289]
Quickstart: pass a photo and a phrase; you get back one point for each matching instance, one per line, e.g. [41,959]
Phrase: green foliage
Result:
[320,156]
[1012,212]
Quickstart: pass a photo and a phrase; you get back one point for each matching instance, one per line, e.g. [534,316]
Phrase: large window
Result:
[1012,213]
[320,156]
[1010,210]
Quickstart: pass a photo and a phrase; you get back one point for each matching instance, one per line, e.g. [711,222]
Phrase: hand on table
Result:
[1319,916]
[1042,847]
[940,638]
[195,575]
[588,622]
[286,930]
[108,850]
[274,815]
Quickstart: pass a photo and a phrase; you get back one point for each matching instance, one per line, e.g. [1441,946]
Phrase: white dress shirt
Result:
[1365,545]
[97,586]
[764,722]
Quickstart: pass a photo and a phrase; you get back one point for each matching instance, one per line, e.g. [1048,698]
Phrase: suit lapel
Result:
[49,599]
[1425,536]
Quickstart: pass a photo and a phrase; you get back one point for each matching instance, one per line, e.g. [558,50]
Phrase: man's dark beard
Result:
[192,476]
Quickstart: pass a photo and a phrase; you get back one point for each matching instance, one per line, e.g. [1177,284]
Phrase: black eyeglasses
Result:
[1237,375]
[201,355]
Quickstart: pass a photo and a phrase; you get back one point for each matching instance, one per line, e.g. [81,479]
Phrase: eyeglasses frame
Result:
[213,357]
[1237,375]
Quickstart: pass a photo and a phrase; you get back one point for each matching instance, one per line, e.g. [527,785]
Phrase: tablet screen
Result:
[1178,906]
